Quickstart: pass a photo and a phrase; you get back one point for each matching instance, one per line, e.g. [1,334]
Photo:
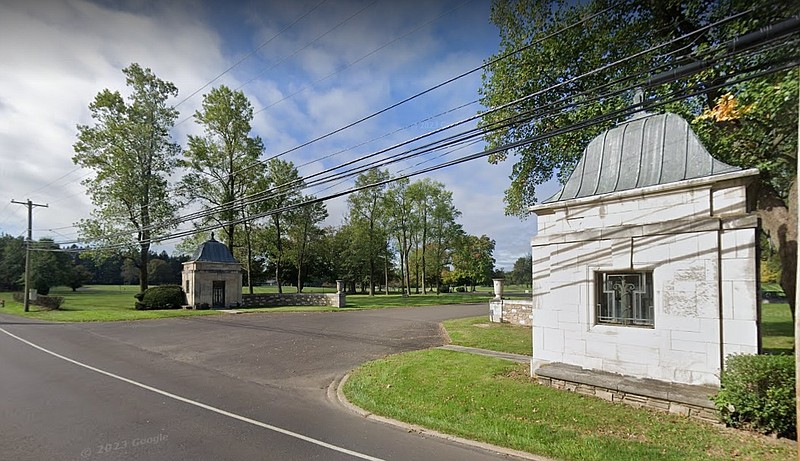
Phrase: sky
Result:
[307,67]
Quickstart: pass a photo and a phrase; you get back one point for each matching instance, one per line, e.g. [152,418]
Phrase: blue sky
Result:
[340,60]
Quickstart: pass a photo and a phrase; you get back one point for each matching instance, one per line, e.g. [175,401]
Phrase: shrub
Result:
[758,393]
[162,297]
[49,302]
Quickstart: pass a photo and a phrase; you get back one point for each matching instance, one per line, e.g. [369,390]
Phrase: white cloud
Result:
[59,54]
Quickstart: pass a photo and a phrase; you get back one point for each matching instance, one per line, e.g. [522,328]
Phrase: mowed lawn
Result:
[115,302]
[495,401]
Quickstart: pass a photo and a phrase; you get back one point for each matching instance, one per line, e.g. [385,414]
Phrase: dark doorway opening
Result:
[218,293]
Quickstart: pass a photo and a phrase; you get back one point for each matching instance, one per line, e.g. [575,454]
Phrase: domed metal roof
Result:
[647,150]
[213,251]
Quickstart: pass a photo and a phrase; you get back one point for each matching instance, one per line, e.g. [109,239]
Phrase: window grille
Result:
[625,298]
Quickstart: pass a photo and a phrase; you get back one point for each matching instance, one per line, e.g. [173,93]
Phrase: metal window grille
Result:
[625,298]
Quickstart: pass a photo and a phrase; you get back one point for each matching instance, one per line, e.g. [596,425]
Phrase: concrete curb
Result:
[336,395]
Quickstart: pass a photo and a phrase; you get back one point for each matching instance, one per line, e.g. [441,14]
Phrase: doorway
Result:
[218,294]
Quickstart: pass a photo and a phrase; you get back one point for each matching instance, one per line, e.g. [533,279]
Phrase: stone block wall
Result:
[665,404]
[514,311]
[293,299]
[704,270]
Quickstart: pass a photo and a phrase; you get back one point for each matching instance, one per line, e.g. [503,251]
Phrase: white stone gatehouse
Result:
[645,263]
[213,277]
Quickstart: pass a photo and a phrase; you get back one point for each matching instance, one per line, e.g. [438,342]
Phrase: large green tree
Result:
[472,260]
[282,185]
[303,232]
[12,261]
[367,216]
[223,163]
[586,73]
[50,266]
[130,151]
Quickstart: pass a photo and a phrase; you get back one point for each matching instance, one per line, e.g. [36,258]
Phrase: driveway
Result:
[248,386]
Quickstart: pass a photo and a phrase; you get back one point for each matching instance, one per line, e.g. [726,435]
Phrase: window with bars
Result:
[624,298]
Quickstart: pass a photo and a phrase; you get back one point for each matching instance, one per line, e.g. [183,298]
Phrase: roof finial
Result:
[638,97]
[212,235]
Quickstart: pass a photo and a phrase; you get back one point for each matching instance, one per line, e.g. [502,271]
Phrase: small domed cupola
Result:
[213,251]
[647,150]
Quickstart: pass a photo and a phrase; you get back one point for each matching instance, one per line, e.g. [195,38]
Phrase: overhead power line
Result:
[729,53]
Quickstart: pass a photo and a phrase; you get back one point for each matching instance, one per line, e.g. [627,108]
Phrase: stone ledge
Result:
[684,399]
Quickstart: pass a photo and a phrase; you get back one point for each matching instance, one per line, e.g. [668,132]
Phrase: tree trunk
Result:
[780,223]
[144,259]
[386,271]
[402,268]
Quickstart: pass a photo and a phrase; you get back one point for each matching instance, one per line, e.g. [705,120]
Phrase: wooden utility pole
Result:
[28,242]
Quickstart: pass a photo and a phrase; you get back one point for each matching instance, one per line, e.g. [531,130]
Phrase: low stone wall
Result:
[516,311]
[683,399]
[293,299]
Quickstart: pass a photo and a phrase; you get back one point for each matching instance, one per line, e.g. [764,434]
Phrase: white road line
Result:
[199,404]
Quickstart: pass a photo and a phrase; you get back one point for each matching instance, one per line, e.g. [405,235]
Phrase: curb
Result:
[336,395]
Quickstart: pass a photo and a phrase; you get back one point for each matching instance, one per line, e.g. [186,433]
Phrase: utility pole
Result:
[28,242]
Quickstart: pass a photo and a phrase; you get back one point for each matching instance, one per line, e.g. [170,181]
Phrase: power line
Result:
[251,53]
[603,67]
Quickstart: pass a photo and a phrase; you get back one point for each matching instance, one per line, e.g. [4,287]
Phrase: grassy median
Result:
[494,401]
[478,332]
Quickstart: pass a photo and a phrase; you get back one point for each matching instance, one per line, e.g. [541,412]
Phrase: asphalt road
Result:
[225,387]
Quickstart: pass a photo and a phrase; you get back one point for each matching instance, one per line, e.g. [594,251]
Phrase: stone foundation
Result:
[293,299]
[515,311]
[682,399]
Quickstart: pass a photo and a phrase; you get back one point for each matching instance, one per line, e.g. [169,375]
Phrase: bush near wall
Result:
[758,393]
[161,297]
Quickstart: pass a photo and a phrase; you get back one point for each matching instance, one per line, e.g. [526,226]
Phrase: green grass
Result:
[494,401]
[777,330]
[94,303]
[112,302]
[479,332]
[384,301]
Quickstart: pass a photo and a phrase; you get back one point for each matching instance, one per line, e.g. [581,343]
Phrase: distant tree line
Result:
[54,266]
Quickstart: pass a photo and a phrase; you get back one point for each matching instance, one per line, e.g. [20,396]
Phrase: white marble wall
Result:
[704,275]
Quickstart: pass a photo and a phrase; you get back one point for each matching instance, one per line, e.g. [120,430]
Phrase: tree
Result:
[12,262]
[223,163]
[284,185]
[472,259]
[748,124]
[130,151]
[159,271]
[78,275]
[401,223]
[303,230]
[522,273]
[367,210]
[49,266]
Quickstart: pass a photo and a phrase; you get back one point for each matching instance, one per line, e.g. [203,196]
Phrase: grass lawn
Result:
[494,401]
[479,332]
[777,330]
[94,303]
[114,302]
